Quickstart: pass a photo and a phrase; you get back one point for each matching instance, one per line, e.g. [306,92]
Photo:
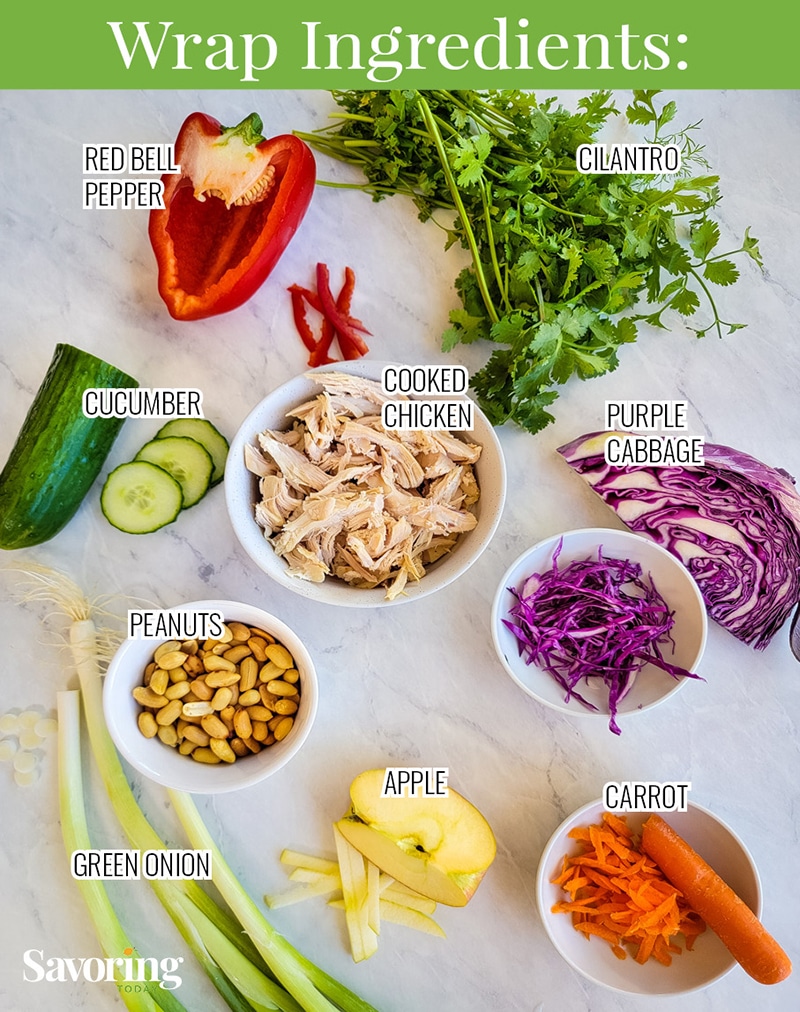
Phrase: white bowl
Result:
[692,970]
[673,581]
[166,765]
[241,493]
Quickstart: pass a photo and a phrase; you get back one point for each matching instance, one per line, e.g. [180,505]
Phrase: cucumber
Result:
[186,460]
[206,434]
[139,497]
[58,452]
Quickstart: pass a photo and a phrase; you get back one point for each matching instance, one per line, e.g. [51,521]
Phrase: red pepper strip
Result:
[310,296]
[300,319]
[228,214]
[345,296]
[319,349]
[350,340]
[319,356]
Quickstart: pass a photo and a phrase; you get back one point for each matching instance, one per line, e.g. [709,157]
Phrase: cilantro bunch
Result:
[564,265]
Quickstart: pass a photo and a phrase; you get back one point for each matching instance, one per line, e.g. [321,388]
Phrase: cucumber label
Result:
[142,402]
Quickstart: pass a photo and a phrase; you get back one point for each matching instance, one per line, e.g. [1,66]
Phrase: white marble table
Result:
[417,684]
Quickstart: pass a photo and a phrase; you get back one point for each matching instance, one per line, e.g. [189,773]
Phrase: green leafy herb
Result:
[564,265]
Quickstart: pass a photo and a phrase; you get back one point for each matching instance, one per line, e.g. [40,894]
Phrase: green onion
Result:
[110,933]
[310,986]
[239,966]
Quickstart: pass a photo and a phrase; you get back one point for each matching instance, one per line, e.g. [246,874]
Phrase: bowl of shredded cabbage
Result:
[599,622]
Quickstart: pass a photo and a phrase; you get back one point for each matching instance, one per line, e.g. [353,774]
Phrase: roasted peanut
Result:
[259,648]
[220,679]
[280,688]
[221,748]
[248,671]
[196,734]
[211,662]
[212,725]
[168,735]
[237,653]
[240,633]
[144,694]
[242,724]
[221,699]
[279,655]
[282,728]
[169,714]
[147,724]
[201,689]
[172,659]
[177,690]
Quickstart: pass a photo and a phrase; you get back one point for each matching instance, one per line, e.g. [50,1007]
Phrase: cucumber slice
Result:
[140,497]
[201,430]
[186,460]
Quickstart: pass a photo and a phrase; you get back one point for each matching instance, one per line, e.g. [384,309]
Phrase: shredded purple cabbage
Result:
[595,618]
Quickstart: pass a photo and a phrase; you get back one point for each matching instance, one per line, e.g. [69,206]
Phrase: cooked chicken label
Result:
[424,380]
[457,416]
[343,497]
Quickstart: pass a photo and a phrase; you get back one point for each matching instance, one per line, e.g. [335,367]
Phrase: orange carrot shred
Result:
[619,894]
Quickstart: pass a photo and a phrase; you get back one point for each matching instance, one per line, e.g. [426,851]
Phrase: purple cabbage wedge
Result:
[734,523]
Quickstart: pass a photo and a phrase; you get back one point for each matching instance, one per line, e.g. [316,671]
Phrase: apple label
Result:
[415,782]
[646,796]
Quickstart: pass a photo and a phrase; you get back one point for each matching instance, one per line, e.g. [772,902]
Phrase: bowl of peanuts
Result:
[221,698]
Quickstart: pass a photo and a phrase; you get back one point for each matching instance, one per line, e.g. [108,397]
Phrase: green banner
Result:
[176,44]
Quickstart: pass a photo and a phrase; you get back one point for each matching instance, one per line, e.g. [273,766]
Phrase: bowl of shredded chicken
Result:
[339,509]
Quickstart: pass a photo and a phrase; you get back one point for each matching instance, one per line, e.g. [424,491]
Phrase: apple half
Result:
[438,846]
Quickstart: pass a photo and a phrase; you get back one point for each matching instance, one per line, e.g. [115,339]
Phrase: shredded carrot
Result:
[619,894]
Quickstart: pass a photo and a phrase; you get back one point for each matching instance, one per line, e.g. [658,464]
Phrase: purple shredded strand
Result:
[595,618]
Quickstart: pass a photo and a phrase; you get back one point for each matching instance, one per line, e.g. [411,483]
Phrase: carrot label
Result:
[646,796]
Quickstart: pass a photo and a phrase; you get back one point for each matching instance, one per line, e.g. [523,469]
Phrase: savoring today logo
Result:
[125,971]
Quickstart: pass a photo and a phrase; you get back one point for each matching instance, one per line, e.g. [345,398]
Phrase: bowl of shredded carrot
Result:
[616,919]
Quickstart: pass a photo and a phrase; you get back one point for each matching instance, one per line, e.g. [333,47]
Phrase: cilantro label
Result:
[643,159]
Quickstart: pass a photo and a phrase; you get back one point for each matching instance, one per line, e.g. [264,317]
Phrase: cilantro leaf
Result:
[721,272]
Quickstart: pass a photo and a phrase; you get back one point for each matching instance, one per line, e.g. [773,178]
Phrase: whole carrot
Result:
[724,912]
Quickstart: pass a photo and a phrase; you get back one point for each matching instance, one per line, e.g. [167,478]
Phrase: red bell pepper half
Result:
[228,214]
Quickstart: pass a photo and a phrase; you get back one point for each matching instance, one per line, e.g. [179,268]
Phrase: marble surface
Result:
[417,684]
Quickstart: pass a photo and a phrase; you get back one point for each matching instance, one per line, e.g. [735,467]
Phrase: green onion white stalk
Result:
[110,932]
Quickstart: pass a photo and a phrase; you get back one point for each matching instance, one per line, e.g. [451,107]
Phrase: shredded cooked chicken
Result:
[341,496]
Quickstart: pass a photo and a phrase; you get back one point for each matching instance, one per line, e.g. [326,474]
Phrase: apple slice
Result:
[438,846]
[398,914]
[363,939]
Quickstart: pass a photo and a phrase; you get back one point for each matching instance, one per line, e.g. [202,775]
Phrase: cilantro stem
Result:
[459,205]
[717,321]
[491,244]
